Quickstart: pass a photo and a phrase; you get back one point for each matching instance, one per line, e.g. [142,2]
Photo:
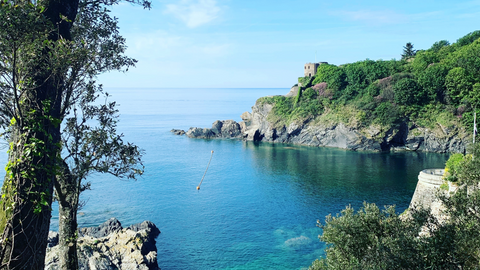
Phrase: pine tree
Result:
[408,51]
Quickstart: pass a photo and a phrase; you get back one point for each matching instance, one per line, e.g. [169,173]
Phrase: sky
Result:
[265,44]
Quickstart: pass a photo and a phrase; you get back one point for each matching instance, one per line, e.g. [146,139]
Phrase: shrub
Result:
[468,38]
[334,76]
[408,92]
[323,91]
[432,80]
[437,46]
[451,167]
[309,93]
[386,113]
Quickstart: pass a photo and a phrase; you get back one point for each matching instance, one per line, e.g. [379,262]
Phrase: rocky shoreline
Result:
[407,137]
[110,246]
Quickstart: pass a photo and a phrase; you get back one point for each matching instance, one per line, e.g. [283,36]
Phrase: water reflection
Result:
[337,177]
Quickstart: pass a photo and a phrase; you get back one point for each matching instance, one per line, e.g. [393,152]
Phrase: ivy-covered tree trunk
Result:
[25,208]
[27,195]
[67,191]
[47,65]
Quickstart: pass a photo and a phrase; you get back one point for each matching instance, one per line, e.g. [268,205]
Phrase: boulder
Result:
[227,129]
[178,131]
[108,227]
[132,248]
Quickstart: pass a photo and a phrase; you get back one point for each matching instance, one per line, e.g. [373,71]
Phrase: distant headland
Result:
[423,102]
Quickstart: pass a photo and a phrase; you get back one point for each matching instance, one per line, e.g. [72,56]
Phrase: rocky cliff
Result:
[109,246]
[258,125]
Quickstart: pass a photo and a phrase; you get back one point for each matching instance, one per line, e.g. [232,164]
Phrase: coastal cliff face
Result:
[315,132]
[258,126]
[109,246]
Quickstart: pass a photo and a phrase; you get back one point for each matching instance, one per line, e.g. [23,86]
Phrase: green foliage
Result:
[451,167]
[282,106]
[50,55]
[468,38]
[334,76]
[374,239]
[441,81]
[370,239]
[386,114]
[309,93]
[432,80]
[467,119]
[437,46]
[474,95]
[467,58]
[408,92]
[408,51]
[457,84]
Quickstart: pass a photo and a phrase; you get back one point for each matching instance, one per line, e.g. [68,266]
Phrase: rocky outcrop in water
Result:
[178,131]
[220,129]
[109,246]
[405,137]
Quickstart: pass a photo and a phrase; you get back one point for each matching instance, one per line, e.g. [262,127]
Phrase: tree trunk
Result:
[26,202]
[68,195]
[25,207]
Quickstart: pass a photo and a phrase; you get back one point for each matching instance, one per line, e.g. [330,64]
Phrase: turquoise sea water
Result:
[259,202]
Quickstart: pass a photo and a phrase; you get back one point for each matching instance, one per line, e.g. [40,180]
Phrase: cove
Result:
[259,202]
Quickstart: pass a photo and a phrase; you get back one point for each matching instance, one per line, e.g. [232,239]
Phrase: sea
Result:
[258,204]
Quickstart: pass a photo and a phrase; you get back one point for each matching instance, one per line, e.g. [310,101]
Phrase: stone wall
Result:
[429,182]
[310,69]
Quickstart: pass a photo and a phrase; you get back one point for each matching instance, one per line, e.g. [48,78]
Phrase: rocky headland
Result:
[110,246]
[259,126]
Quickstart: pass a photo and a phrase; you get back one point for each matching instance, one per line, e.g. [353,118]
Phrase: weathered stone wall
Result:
[429,182]
[310,69]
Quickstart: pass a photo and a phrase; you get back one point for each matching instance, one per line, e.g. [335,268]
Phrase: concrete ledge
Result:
[431,176]
[429,181]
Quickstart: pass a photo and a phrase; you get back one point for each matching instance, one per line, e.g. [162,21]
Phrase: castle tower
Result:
[311,68]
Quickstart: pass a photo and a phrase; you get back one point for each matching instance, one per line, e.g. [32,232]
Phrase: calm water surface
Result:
[259,202]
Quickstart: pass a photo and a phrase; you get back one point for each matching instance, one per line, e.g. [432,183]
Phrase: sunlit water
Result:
[258,205]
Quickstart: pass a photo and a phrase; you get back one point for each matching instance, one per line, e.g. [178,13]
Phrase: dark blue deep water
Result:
[258,205]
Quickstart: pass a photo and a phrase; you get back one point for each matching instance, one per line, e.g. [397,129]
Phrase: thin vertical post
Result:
[474,125]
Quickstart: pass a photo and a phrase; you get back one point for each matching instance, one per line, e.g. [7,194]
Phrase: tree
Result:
[408,51]
[46,63]
[437,46]
[468,38]
[408,92]
[458,84]
[89,148]
[371,239]
[332,75]
[474,96]
[432,80]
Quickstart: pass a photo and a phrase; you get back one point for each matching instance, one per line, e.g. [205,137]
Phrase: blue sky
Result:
[264,43]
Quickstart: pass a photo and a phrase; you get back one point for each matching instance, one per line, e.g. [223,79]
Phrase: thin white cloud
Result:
[194,13]
[373,17]
[164,45]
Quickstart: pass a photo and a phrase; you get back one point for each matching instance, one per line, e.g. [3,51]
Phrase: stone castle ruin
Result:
[311,68]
